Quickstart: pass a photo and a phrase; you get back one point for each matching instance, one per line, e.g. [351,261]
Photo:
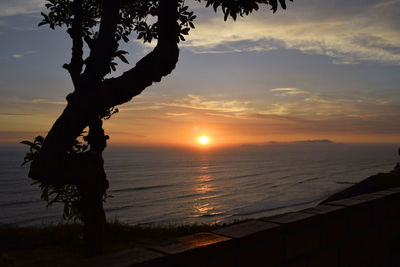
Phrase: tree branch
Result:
[157,64]
[104,47]
[76,33]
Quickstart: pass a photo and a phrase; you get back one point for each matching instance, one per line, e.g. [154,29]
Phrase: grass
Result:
[123,234]
[62,244]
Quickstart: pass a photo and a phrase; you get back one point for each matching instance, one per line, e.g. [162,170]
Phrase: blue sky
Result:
[322,69]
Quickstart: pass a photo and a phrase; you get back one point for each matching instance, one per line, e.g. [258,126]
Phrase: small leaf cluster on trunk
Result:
[68,194]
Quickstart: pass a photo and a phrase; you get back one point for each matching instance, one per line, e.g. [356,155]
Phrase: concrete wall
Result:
[358,231]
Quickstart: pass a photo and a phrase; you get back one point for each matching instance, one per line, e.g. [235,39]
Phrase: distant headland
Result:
[316,141]
[298,142]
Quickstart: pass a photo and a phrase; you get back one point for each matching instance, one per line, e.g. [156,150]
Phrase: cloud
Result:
[17,136]
[130,134]
[20,7]
[37,106]
[23,54]
[174,114]
[46,101]
[289,91]
[140,107]
[346,31]
[307,106]
[202,103]
[15,114]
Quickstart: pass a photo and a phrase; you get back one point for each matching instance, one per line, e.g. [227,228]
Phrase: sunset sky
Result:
[322,69]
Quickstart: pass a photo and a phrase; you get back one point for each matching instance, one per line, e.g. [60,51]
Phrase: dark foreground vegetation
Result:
[61,245]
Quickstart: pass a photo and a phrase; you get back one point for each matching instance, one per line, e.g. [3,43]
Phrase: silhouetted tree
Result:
[102,24]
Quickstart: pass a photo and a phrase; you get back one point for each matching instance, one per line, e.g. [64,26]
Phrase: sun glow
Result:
[204,140]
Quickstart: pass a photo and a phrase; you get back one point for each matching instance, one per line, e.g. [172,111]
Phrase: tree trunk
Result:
[92,97]
[92,186]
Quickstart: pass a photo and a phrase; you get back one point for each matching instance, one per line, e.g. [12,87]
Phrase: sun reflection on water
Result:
[202,208]
[204,186]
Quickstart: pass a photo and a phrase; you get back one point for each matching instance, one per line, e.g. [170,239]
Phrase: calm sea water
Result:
[172,185]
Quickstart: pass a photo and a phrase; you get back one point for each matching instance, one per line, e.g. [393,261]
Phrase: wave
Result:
[17,203]
[308,180]
[209,215]
[245,176]
[287,205]
[42,220]
[141,188]
[188,196]
[345,183]
[118,208]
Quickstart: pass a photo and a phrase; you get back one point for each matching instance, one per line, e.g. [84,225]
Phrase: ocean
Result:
[165,185]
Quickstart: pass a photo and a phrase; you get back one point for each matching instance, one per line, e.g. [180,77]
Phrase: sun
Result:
[204,140]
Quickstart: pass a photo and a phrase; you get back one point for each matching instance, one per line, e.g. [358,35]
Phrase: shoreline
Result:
[374,183]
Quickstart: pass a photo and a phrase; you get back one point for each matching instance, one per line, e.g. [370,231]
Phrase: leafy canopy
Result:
[137,16]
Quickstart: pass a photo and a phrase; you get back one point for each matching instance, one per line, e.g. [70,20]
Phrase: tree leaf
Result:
[122,58]
[39,139]
[27,143]
[283,4]
[185,31]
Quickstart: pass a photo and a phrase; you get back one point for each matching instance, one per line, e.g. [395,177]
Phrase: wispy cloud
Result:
[17,136]
[313,106]
[202,103]
[19,7]
[348,32]
[17,56]
[141,107]
[174,114]
[289,91]
[46,101]
[15,114]
[130,134]
[22,54]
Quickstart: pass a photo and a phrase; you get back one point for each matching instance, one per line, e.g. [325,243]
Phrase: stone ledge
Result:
[347,202]
[324,210]
[369,197]
[249,229]
[392,192]
[289,220]
[301,233]
[255,242]
[190,242]
[200,247]
[284,238]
